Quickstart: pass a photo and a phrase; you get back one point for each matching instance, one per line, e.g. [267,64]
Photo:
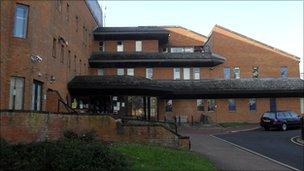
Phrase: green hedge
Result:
[70,153]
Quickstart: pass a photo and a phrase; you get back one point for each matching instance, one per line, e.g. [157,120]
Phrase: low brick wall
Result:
[25,127]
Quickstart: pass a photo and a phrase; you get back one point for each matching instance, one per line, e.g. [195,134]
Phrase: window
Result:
[302,104]
[36,95]
[102,46]
[200,105]
[196,73]
[120,71]
[177,50]
[54,51]
[62,54]
[227,73]
[120,46]
[77,23]
[255,72]
[100,72]
[69,59]
[273,104]
[75,64]
[130,71]
[59,5]
[252,104]
[21,17]
[176,73]
[168,105]
[236,71]
[189,50]
[231,105]
[284,72]
[138,46]
[149,73]
[269,115]
[186,72]
[211,105]
[16,93]
[67,17]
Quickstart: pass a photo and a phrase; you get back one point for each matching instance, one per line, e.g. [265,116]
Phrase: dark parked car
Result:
[280,119]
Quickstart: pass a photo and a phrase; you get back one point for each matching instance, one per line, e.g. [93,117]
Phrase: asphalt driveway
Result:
[273,144]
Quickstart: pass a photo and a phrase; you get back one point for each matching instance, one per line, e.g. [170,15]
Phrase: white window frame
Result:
[237,72]
[177,50]
[149,73]
[188,49]
[16,93]
[176,74]
[23,19]
[138,46]
[120,48]
[196,73]
[120,71]
[186,73]
[130,71]
[100,71]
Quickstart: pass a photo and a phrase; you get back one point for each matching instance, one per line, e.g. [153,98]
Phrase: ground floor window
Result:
[100,71]
[252,104]
[200,104]
[16,93]
[36,95]
[302,104]
[231,105]
[273,104]
[169,105]
[211,105]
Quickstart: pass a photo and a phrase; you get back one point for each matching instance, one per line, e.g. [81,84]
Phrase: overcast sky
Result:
[277,23]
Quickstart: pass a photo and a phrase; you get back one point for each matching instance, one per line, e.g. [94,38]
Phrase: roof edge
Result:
[256,41]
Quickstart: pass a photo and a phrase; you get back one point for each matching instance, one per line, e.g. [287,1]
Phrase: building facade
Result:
[44,44]
[57,52]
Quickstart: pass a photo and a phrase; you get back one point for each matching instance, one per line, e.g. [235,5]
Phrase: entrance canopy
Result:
[186,89]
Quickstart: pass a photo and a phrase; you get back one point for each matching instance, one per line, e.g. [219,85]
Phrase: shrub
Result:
[64,154]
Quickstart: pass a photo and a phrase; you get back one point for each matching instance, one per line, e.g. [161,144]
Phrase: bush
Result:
[65,154]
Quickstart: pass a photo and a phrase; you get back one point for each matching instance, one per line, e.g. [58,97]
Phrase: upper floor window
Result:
[100,71]
[196,73]
[237,72]
[59,5]
[120,47]
[54,47]
[252,104]
[227,73]
[186,72]
[176,73]
[67,17]
[138,46]
[231,105]
[130,71]
[21,17]
[182,49]
[120,71]
[177,50]
[77,23]
[62,54]
[149,73]
[200,105]
[255,72]
[284,72]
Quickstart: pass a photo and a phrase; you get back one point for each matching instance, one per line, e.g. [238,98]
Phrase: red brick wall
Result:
[45,22]
[187,107]
[29,127]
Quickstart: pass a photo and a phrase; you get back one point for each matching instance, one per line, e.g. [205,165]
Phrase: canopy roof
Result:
[187,89]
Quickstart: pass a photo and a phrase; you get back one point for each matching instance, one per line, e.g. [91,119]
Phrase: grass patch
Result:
[233,124]
[150,157]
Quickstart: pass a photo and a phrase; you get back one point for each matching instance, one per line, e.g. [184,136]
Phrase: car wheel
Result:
[266,128]
[284,127]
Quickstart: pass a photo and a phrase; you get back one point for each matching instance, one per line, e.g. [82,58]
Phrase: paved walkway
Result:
[228,157]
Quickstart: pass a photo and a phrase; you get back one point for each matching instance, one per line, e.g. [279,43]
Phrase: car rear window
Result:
[293,115]
[269,115]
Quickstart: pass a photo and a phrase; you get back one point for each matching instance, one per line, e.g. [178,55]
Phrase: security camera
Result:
[36,58]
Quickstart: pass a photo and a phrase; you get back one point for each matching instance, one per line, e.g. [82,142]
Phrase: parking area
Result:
[273,144]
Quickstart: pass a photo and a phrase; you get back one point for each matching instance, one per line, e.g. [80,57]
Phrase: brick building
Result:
[64,54]
[44,44]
